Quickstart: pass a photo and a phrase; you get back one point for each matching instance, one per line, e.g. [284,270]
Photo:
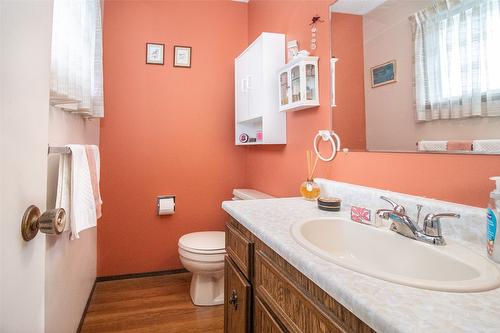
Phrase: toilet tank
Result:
[249,194]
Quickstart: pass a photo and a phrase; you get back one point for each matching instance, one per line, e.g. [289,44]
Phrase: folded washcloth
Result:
[486,146]
[83,209]
[465,145]
[432,145]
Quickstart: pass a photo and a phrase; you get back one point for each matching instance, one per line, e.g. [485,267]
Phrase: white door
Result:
[254,79]
[25,29]
[284,89]
[241,87]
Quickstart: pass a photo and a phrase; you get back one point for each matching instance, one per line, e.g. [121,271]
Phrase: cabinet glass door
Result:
[310,82]
[284,88]
[295,74]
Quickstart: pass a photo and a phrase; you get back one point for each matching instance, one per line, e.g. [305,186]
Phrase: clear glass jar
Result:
[310,190]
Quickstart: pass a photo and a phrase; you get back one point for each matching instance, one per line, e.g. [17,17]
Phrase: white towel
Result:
[83,209]
[63,198]
[432,145]
[486,146]
[93,159]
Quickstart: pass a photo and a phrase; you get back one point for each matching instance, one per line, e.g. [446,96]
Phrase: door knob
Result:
[51,222]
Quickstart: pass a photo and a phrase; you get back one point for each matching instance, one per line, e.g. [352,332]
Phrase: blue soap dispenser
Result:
[492,227]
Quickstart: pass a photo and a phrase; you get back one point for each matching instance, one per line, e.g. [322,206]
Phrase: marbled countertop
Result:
[385,306]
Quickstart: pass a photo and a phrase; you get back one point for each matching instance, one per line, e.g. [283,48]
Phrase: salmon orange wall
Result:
[167,130]
[349,114]
[456,178]
[280,170]
[170,130]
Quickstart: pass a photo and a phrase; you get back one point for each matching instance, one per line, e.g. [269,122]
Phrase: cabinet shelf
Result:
[250,120]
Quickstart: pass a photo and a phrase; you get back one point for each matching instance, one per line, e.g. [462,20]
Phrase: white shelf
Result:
[299,106]
[250,120]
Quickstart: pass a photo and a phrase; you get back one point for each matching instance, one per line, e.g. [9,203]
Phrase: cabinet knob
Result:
[234,299]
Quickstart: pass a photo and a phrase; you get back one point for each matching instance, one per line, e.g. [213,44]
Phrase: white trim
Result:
[356,7]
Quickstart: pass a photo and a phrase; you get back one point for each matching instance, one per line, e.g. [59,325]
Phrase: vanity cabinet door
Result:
[237,293]
[240,249]
[263,320]
[289,303]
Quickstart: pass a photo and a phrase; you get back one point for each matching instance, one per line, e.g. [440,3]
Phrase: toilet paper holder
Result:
[165,204]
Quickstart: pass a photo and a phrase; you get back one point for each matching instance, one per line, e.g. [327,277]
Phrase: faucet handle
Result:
[419,210]
[396,207]
[432,223]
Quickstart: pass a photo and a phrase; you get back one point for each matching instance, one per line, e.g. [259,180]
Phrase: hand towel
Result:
[93,158]
[83,209]
[464,145]
[63,197]
[432,145]
[486,146]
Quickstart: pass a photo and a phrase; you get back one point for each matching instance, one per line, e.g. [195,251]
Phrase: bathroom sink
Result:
[385,255]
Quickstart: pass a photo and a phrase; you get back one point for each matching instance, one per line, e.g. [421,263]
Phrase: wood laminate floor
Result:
[150,304]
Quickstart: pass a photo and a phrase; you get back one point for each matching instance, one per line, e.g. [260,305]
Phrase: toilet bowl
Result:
[202,253]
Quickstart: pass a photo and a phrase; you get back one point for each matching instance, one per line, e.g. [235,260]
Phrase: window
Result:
[76,62]
[457,59]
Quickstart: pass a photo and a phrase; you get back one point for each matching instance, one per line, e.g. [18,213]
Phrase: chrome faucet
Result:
[404,225]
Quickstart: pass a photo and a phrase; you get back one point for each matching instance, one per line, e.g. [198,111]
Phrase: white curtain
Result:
[76,65]
[457,59]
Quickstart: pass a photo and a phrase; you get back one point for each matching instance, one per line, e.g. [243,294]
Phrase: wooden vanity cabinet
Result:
[263,320]
[272,296]
[238,293]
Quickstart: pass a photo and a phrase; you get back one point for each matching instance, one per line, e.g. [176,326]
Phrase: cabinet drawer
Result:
[295,310]
[263,320]
[240,249]
[237,294]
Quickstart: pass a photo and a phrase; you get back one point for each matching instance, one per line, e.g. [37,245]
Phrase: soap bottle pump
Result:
[492,227]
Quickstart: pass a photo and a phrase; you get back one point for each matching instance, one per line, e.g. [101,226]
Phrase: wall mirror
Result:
[417,75]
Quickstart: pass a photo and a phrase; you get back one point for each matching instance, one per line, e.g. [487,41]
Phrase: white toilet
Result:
[202,253]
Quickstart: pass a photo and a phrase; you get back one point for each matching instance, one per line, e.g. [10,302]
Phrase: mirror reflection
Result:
[417,75]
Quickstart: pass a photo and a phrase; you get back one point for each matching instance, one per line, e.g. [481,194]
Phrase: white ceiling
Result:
[356,7]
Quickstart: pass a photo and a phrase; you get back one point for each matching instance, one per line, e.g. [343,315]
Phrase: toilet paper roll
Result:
[166,206]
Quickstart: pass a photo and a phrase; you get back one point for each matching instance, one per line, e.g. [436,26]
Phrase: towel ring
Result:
[325,135]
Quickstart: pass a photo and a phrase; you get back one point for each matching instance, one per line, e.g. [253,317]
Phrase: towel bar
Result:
[59,150]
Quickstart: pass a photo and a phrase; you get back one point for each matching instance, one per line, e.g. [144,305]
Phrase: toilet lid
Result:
[203,241]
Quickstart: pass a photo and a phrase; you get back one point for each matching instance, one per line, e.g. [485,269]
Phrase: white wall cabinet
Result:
[257,116]
[298,84]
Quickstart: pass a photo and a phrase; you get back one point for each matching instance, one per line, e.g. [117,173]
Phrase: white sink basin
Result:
[383,254]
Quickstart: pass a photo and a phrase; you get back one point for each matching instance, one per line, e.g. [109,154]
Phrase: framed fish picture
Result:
[383,74]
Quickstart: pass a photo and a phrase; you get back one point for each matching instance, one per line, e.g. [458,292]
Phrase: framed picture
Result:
[155,53]
[383,74]
[182,56]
